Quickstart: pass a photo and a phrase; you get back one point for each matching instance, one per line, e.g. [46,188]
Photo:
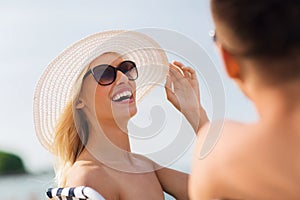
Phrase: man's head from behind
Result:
[259,39]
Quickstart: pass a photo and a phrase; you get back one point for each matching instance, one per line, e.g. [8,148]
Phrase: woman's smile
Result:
[123,95]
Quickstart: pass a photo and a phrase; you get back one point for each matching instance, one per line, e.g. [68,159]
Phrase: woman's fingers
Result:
[179,71]
[186,73]
[169,91]
[175,71]
[191,72]
[182,91]
[177,63]
[168,85]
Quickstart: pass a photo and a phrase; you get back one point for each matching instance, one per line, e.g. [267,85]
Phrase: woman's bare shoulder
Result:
[94,175]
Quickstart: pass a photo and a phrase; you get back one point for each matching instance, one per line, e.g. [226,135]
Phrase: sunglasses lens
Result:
[104,74]
[129,69]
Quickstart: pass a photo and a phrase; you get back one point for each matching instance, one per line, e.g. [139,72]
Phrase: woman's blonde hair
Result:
[71,135]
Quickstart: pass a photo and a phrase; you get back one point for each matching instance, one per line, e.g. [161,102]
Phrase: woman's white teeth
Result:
[122,96]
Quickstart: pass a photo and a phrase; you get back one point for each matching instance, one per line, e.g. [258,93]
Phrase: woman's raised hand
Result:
[182,89]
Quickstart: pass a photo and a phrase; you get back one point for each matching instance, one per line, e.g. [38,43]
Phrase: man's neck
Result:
[278,104]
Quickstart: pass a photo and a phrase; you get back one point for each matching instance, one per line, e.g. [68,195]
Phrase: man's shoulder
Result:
[219,154]
[226,136]
[227,146]
[239,154]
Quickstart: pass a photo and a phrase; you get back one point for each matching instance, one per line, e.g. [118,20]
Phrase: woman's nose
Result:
[121,78]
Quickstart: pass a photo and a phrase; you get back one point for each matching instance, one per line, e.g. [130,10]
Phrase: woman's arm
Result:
[182,89]
[173,182]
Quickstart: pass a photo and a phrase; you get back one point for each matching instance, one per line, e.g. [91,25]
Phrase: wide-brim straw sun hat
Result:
[54,89]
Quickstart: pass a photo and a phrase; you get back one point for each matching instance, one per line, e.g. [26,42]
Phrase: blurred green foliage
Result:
[11,164]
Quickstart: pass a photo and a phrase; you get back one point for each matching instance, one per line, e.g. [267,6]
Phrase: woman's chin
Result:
[124,113]
[133,112]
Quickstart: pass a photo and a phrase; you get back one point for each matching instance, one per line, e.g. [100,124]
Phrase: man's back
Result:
[254,161]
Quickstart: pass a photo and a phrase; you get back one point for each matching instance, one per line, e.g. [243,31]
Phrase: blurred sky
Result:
[33,32]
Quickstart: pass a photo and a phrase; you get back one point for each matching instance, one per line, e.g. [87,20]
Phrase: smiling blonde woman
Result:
[83,103]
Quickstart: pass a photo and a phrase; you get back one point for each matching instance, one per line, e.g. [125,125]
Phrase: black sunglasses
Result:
[106,74]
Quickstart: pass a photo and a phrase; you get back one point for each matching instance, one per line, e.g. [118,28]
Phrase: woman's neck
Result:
[108,144]
[112,132]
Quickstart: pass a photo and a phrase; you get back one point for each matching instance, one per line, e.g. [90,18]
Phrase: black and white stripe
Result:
[73,193]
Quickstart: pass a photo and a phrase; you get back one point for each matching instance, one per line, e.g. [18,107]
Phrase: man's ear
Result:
[79,104]
[231,64]
[234,70]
